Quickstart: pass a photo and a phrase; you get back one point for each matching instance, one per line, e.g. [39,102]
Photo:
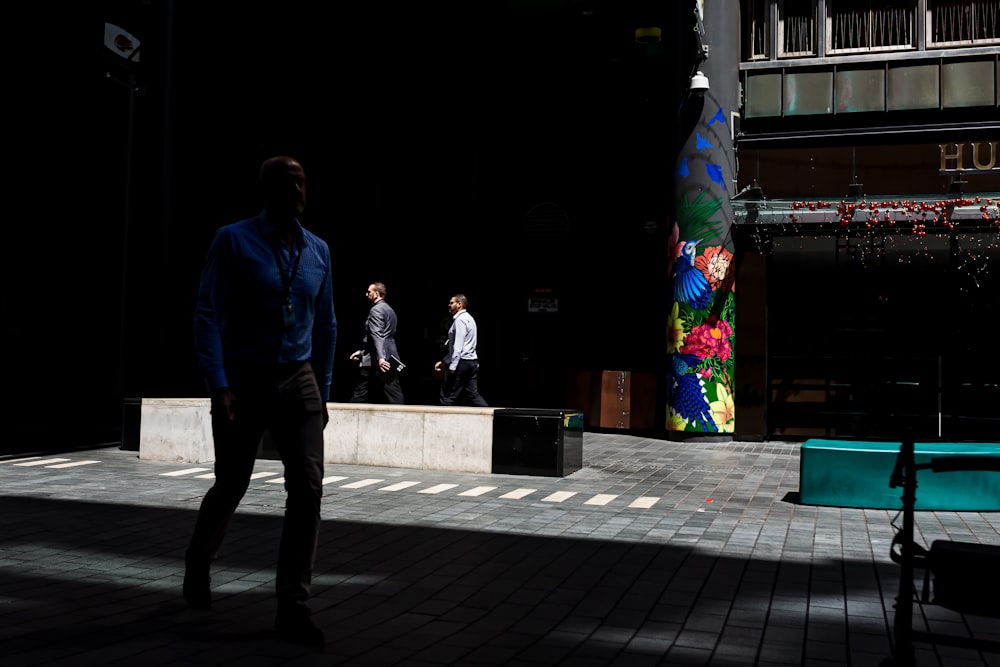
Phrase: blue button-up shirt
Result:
[240,313]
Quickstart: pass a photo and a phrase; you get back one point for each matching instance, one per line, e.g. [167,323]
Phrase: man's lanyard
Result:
[286,280]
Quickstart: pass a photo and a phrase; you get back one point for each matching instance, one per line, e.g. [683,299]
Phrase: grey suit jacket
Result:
[380,333]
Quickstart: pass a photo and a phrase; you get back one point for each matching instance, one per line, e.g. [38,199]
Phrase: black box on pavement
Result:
[534,441]
[131,422]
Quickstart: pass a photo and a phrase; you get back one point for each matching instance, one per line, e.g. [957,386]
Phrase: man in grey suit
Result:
[378,348]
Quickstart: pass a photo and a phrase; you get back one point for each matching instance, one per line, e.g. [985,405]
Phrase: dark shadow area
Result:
[791,497]
[420,126]
[50,446]
[382,587]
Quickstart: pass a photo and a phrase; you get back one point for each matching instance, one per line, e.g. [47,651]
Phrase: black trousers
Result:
[286,401]
[372,380]
[462,386]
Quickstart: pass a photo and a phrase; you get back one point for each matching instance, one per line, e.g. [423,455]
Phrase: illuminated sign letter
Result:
[985,166]
[945,156]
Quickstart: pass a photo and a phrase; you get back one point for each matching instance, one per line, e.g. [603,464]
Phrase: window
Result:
[756,29]
[808,92]
[797,27]
[859,88]
[871,25]
[963,22]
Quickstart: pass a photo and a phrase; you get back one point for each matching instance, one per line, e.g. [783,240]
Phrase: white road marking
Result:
[19,460]
[600,499]
[558,496]
[437,488]
[361,483]
[73,464]
[186,471]
[326,480]
[518,493]
[40,462]
[398,486]
[478,491]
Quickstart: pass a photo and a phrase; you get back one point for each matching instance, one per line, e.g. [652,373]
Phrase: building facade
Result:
[868,219]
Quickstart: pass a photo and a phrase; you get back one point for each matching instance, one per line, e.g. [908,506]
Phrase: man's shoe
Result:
[294,626]
[197,589]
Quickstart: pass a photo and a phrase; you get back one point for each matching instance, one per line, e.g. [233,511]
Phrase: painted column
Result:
[702,323]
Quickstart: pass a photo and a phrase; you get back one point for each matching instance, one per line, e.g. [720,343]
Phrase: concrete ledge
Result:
[176,429]
[426,437]
[402,436]
[842,473]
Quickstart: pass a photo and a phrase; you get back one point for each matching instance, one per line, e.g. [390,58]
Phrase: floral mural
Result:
[701,329]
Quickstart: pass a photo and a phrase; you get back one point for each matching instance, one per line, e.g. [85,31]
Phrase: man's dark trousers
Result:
[462,384]
[376,381]
[285,400]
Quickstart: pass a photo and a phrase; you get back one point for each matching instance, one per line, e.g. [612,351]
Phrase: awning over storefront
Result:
[915,214]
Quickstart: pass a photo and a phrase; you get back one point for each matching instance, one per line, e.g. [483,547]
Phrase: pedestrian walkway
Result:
[654,553]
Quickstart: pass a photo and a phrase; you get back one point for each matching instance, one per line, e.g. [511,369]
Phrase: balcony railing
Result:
[861,26]
[963,22]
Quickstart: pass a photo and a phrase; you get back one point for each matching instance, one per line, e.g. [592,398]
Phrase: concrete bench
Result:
[427,437]
[842,473]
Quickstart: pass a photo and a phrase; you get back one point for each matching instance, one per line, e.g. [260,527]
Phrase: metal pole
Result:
[129,153]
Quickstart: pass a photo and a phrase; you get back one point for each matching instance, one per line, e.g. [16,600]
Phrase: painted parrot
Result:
[690,284]
[690,401]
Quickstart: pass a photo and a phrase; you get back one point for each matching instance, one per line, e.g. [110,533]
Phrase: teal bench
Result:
[842,473]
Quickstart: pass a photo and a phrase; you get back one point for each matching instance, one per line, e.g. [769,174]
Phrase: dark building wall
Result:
[437,129]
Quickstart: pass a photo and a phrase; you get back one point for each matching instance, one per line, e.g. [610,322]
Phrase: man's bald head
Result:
[283,186]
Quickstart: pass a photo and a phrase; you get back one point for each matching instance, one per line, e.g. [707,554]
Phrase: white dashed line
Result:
[518,493]
[558,496]
[600,499]
[40,462]
[478,491]
[398,486]
[438,488]
[361,483]
[20,460]
[186,471]
[326,480]
[74,464]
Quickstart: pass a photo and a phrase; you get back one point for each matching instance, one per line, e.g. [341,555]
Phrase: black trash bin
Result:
[535,441]
[131,418]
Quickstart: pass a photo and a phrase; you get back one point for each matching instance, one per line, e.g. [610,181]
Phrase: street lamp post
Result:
[125,48]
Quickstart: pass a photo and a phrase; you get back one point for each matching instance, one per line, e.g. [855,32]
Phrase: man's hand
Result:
[224,398]
[356,356]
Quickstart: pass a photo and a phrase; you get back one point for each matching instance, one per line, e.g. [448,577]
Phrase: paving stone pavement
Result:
[654,553]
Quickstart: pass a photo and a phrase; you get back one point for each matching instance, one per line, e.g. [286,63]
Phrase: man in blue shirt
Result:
[265,335]
[461,360]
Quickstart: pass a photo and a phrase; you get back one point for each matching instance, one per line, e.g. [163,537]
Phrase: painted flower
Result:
[709,339]
[723,410]
[715,265]
[675,329]
[675,422]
